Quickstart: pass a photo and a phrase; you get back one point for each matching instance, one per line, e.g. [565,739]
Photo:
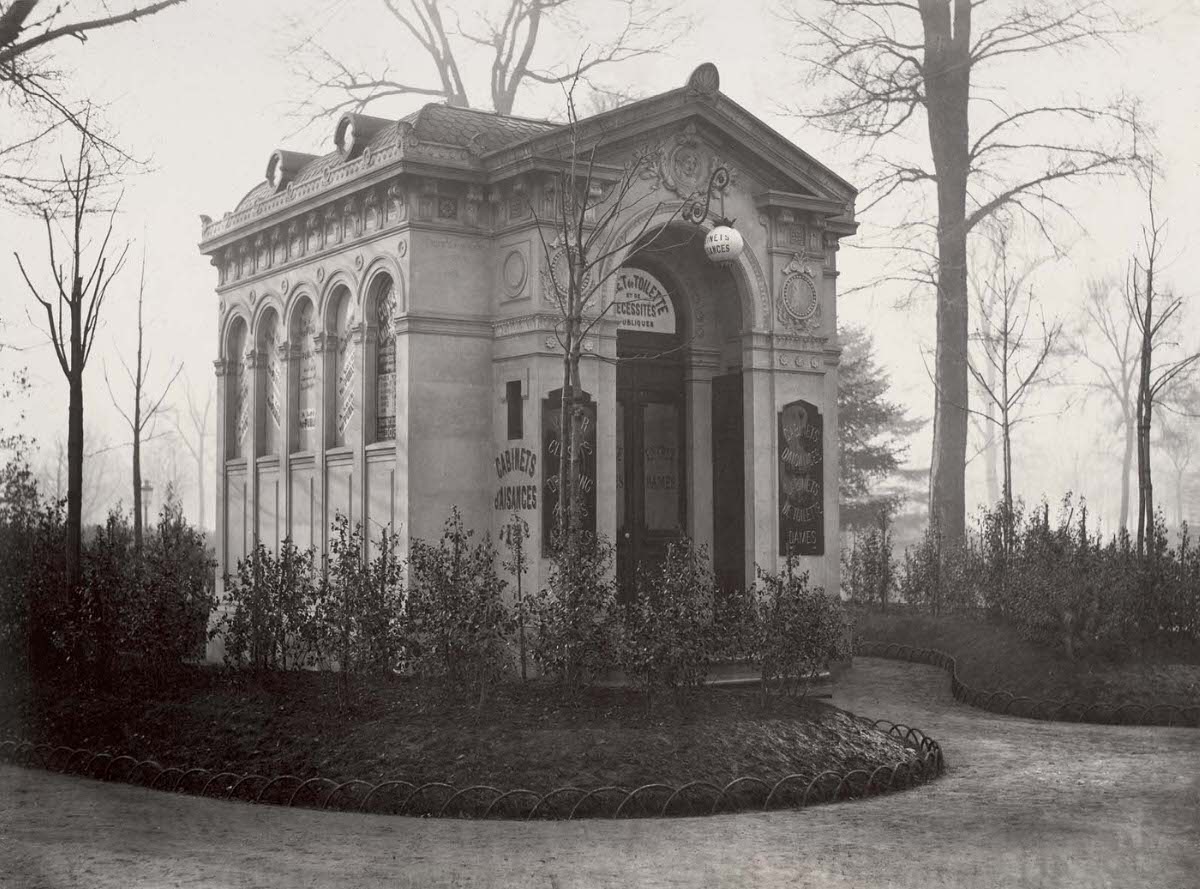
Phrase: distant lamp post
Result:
[147,490]
[724,243]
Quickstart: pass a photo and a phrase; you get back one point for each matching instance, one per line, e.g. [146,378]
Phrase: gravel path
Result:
[1024,804]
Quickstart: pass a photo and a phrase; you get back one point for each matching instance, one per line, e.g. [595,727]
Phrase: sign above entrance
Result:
[641,302]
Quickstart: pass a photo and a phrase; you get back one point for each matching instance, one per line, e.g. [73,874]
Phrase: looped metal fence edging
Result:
[437,798]
[1007,703]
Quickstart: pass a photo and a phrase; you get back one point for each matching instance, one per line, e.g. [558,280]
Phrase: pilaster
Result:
[325,348]
[702,366]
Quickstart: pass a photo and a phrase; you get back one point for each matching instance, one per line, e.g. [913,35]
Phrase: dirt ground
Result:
[1024,804]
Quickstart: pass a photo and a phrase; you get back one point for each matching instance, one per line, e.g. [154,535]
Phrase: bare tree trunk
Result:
[75,447]
[1144,408]
[947,83]
[991,478]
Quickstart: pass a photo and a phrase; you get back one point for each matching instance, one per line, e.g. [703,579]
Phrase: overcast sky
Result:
[204,91]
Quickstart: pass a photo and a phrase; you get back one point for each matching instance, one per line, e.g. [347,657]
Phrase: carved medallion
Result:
[558,276]
[799,297]
[515,272]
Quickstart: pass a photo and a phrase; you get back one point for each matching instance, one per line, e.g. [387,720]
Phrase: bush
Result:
[459,625]
[273,599]
[575,616]
[151,607]
[35,606]
[169,620]
[801,630]
[1060,584]
[868,567]
[735,625]
[359,614]
[667,631]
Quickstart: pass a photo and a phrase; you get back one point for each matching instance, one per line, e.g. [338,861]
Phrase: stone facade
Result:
[387,345]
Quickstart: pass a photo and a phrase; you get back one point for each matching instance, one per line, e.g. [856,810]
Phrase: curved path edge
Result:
[1054,710]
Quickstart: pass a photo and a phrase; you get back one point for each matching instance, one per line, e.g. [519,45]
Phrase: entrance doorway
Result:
[651,452]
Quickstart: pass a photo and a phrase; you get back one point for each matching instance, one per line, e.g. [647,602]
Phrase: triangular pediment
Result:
[685,119]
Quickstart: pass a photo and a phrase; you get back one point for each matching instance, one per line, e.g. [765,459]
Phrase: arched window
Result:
[237,392]
[345,370]
[272,419]
[385,361]
[304,329]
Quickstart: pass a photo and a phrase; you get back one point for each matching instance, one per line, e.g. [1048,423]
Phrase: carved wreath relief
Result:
[799,297]
[684,164]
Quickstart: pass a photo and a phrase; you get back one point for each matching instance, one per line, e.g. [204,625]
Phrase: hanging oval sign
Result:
[641,302]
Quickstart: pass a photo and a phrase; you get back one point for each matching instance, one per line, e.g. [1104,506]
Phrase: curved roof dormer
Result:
[283,167]
[355,131]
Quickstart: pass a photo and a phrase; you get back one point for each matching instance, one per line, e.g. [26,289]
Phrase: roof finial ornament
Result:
[705,80]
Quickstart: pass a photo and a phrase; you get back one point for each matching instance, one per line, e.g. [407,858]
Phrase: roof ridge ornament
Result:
[705,80]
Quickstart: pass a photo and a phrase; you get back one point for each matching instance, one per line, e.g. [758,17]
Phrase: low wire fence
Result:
[1053,709]
[441,799]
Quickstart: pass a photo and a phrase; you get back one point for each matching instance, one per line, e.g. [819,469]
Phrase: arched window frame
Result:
[271,386]
[305,399]
[343,414]
[237,393]
[382,305]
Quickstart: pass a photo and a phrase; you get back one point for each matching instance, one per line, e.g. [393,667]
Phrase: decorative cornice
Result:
[444,325]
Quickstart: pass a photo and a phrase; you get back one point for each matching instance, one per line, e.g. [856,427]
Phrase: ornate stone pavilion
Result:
[386,341]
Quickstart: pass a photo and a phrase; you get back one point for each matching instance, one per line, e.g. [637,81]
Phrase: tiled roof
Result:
[439,123]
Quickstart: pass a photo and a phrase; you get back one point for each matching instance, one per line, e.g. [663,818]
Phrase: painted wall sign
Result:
[510,496]
[552,455]
[306,404]
[801,489]
[641,302]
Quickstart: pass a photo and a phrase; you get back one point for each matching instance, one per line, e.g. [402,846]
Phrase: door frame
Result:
[640,382]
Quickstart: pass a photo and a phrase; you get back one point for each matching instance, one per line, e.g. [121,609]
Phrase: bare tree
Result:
[1013,360]
[1152,312]
[31,83]
[513,34]
[145,407]
[582,244]
[195,438]
[1109,345]
[72,315]
[897,67]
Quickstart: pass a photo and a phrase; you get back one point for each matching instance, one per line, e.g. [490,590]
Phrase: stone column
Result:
[599,377]
[325,348]
[701,368]
[215,649]
[758,405]
[287,413]
[358,440]
[256,367]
